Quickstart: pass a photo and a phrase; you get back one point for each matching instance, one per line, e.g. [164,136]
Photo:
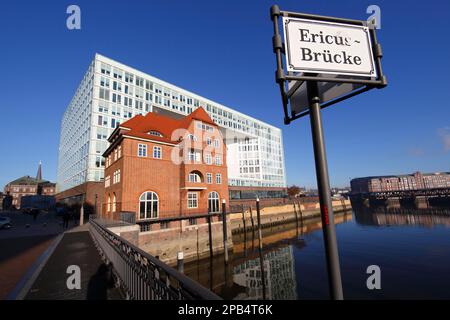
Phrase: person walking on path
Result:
[66,217]
[35,213]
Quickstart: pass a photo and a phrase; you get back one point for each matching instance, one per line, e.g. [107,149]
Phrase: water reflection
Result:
[414,258]
[243,277]
[383,216]
[279,276]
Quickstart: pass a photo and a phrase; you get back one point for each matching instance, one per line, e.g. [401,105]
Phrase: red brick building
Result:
[28,186]
[161,167]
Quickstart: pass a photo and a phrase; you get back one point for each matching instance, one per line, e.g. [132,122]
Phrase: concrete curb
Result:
[25,283]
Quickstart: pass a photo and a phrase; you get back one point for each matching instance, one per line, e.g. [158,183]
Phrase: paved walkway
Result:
[75,248]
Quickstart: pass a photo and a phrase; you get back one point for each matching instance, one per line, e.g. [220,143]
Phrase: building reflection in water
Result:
[382,216]
[280,283]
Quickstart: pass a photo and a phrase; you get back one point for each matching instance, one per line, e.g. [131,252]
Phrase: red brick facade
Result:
[172,162]
[28,186]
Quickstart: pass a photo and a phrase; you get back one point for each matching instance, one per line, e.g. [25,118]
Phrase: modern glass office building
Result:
[110,93]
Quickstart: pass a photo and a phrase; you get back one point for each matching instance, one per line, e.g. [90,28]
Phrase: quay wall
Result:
[271,216]
[192,240]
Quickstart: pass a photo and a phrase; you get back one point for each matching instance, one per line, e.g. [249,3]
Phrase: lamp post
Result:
[82,210]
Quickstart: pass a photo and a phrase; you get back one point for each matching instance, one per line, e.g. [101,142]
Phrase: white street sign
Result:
[315,46]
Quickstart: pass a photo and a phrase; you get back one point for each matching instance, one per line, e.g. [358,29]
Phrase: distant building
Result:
[415,181]
[27,186]
[159,167]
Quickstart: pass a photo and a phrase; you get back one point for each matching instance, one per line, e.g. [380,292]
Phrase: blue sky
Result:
[222,50]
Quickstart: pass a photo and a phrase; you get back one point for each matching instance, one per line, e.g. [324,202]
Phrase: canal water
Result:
[410,246]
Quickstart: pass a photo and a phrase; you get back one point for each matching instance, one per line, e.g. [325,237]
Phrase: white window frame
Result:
[218,160]
[157,150]
[208,158]
[209,179]
[149,214]
[194,177]
[192,199]
[142,150]
[218,178]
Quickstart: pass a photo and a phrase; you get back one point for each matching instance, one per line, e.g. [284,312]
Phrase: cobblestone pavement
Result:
[75,248]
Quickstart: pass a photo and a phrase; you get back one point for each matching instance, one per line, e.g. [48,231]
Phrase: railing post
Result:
[224,225]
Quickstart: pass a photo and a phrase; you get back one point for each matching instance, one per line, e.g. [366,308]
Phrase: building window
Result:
[109,203]
[208,141]
[218,160]
[107,181]
[157,152]
[208,158]
[155,133]
[148,205]
[218,178]
[209,178]
[116,176]
[216,143]
[192,137]
[194,177]
[142,150]
[120,151]
[192,221]
[114,203]
[213,202]
[192,200]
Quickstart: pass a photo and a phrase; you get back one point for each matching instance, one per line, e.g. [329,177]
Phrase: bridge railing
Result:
[142,276]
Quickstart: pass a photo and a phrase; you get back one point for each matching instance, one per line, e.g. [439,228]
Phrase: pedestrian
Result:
[66,217]
[35,213]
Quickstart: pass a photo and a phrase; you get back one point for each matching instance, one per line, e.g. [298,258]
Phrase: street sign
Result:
[314,46]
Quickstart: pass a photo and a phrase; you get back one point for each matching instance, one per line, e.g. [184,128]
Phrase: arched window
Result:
[148,205]
[109,203]
[213,202]
[114,202]
[194,177]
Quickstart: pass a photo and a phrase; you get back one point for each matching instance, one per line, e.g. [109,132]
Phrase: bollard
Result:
[180,261]
[243,220]
[258,217]
[210,235]
[251,218]
[224,225]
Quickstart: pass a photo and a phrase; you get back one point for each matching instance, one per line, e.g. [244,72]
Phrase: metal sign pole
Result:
[326,207]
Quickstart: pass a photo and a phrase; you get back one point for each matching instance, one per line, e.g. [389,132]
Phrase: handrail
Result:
[142,276]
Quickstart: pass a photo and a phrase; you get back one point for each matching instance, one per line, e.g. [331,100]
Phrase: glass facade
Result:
[112,93]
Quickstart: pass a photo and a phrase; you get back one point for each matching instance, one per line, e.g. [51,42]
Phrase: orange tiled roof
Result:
[140,126]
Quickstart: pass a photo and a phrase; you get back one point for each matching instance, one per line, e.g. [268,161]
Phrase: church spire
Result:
[39,172]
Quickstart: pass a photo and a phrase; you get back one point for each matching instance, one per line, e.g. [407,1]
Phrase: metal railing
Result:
[142,276]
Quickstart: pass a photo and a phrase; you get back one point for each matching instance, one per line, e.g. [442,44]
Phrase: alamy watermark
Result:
[375,18]
[374,280]
[73,21]
[74,280]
